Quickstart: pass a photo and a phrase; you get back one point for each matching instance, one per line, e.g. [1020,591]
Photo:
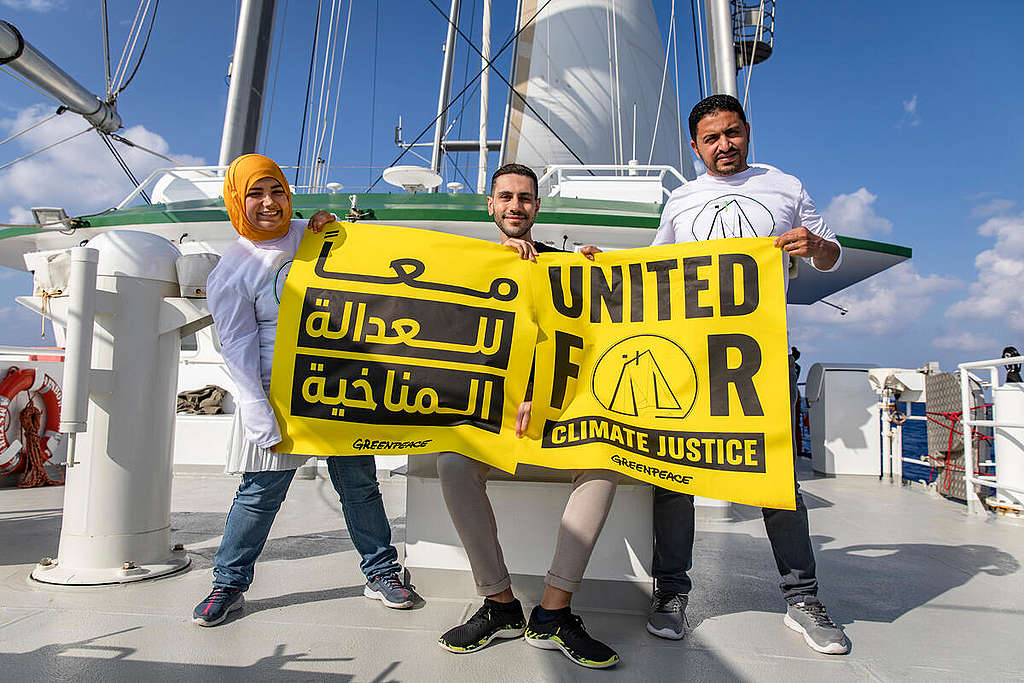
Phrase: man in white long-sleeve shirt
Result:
[734,199]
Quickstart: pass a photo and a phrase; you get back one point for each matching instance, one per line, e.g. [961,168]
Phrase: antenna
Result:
[412,178]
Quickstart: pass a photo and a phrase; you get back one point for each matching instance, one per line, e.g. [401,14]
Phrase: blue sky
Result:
[903,123]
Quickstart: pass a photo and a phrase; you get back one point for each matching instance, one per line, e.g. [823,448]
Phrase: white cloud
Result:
[910,115]
[965,341]
[994,207]
[854,215]
[80,175]
[995,294]
[33,5]
[879,306]
[19,215]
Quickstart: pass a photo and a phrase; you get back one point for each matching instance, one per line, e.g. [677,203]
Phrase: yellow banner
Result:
[397,340]
[667,364]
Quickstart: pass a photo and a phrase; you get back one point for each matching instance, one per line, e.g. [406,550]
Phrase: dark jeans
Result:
[788,533]
[259,497]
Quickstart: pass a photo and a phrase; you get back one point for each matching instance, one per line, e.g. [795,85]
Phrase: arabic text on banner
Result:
[398,340]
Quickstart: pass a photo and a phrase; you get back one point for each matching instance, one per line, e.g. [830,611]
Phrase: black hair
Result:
[516,169]
[710,105]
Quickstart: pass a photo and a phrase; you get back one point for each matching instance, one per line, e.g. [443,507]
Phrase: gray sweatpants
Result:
[464,484]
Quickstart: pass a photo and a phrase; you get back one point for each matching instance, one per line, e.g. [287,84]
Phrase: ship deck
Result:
[924,592]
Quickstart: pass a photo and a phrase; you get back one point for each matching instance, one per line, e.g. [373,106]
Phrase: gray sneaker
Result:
[392,591]
[667,615]
[821,633]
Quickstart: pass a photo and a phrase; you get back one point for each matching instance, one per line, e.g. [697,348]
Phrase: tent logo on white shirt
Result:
[732,215]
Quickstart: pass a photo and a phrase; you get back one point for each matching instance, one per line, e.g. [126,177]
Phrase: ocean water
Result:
[915,445]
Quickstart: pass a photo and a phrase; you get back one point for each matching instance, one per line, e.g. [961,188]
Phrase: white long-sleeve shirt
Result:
[760,201]
[244,292]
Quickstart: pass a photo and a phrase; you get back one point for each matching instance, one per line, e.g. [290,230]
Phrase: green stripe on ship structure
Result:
[421,208]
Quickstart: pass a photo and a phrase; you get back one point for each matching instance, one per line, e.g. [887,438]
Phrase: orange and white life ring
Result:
[51,395]
[14,383]
[17,380]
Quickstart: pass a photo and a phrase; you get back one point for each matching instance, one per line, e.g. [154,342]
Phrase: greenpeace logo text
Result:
[644,468]
[367,444]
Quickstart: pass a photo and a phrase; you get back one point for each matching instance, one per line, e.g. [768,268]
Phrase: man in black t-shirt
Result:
[514,203]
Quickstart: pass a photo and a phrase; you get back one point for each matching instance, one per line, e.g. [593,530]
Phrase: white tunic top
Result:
[244,293]
[760,201]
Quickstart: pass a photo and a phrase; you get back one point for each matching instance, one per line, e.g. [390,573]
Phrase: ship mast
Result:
[721,50]
[249,67]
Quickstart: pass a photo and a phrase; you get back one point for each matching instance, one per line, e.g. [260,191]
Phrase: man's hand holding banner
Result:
[668,364]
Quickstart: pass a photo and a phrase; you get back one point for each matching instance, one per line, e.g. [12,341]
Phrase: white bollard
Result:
[117,500]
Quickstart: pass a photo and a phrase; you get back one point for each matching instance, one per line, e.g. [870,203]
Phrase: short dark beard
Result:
[498,222]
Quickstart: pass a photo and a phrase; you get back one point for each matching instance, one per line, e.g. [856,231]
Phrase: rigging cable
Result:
[757,39]
[130,41]
[34,125]
[319,124]
[309,83]
[464,89]
[337,94]
[465,76]
[277,68]
[750,70]
[697,48]
[611,67]
[124,166]
[679,112]
[373,80]
[145,44]
[618,98]
[30,84]
[664,77]
[490,65]
[129,143]
[43,149]
[105,25]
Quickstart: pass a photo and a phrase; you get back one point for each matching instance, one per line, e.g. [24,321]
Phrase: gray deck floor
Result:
[924,592]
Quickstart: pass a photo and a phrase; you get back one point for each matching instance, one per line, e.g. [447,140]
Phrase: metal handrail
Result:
[30,351]
[631,171]
[974,503]
[214,172]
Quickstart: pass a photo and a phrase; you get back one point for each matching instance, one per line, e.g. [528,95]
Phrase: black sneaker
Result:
[667,615]
[391,590]
[215,608]
[567,633]
[493,620]
[819,631]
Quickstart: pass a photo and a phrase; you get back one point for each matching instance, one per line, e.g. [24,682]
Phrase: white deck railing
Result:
[974,502]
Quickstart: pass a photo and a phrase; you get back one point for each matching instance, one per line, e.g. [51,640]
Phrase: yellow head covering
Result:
[240,176]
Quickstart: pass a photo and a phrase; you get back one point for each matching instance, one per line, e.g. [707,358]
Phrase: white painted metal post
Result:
[974,506]
[78,359]
[485,80]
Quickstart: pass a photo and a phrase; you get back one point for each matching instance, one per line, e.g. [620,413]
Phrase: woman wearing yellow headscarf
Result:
[244,293]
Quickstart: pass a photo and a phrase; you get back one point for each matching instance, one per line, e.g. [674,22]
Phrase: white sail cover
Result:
[580,66]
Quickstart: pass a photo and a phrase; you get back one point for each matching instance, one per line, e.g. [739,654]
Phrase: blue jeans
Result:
[788,532]
[259,497]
